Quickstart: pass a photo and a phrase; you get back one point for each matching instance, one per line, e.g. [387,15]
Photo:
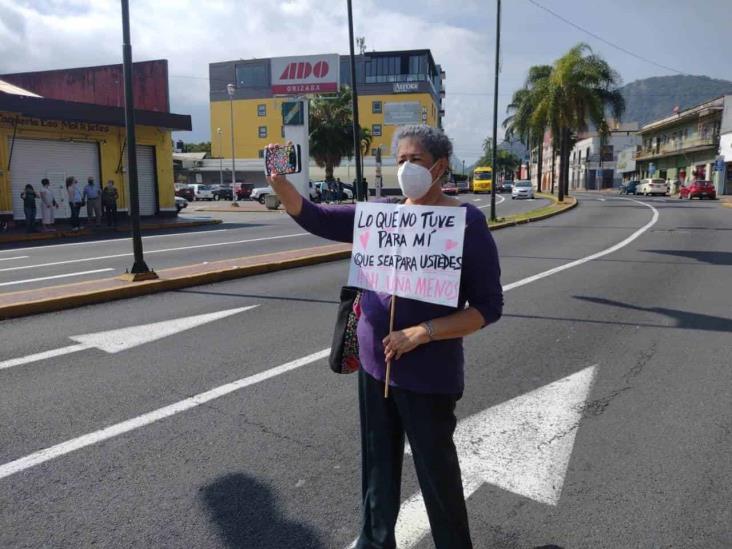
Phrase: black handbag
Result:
[344,351]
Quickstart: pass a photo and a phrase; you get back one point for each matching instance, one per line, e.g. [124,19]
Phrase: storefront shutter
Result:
[146,180]
[34,159]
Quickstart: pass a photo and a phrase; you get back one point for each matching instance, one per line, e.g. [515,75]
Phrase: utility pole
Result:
[140,270]
[495,111]
[231,90]
[354,105]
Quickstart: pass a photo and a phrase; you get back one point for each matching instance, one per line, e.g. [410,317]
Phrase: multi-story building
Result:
[686,145]
[592,161]
[394,87]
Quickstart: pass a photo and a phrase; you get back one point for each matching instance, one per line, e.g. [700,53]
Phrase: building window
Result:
[261,110]
[252,75]
[376,107]
[376,130]
[262,132]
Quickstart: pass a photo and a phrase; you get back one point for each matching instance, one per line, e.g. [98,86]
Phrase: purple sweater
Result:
[435,367]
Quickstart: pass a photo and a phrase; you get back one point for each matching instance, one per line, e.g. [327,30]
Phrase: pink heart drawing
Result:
[450,244]
[364,238]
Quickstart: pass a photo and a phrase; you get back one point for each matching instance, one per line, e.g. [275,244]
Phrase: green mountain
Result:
[653,98]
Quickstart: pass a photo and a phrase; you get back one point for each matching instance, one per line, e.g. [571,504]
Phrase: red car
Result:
[184,191]
[450,188]
[698,189]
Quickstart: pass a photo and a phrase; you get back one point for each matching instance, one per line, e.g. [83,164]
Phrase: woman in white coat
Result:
[48,203]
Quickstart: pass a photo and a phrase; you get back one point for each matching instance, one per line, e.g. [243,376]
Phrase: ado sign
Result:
[409,251]
[306,74]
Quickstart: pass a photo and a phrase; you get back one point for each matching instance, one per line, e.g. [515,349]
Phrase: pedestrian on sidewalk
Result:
[29,198]
[109,201]
[426,346]
[75,201]
[93,202]
[48,203]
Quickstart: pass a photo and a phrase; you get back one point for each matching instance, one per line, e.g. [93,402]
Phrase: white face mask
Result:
[414,180]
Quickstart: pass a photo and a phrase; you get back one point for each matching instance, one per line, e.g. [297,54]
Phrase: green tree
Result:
[581,88]
[520,123]
[331,131]
[204,146]
[506,161]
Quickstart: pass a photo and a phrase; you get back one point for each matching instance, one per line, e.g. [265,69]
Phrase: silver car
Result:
[522,189]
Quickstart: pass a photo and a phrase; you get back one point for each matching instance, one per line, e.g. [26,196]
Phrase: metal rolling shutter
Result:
[34,159]
[146,179]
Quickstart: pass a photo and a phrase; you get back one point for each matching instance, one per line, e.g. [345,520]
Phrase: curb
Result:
[572,204]
[163,284]
[57,235]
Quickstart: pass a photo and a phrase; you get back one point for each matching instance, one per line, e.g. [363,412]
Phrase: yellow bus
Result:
[482,180]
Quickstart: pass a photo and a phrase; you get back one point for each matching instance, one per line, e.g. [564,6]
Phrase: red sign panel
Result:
[307,74]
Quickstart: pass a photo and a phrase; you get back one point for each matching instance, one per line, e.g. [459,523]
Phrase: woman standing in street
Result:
[427,349]
[48,203]
[29,198]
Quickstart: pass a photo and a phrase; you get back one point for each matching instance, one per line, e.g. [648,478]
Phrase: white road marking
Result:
[149,252]
[477,199]
[114,341]
[11,258]
[523,446]
[45,355]
[97,436]
[117,429]
[29,280]
[615,248]
[499,199]
[112,240]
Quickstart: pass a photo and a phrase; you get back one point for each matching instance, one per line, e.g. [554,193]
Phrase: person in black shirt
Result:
[29,197]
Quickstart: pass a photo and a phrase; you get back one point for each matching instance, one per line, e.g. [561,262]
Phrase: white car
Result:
[522,189]
[180,203]
[652,186]
[202,192]
[258,193]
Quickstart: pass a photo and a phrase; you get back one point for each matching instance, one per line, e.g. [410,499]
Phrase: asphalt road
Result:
[24,267]
[275,464]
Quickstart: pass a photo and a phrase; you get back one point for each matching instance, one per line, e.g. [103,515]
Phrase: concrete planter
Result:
[272,201]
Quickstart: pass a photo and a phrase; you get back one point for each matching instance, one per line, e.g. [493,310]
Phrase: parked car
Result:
[522,189]
[180,203]
[652,187]
[222,193]
[258,193]
[631,187]
[243,190]
[202,192]
[698,189]
[450,187]
[184,191]
[347,191]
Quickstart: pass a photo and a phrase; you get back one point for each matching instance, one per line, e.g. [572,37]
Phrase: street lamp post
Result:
[221,157]
[495,111]
[231,90]
[140,270]
[359,190]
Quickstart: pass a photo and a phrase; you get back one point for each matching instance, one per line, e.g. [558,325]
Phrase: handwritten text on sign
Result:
[408,251]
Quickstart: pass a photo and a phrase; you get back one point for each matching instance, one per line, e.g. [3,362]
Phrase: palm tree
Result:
[331,131]
[520,123]
[581,88]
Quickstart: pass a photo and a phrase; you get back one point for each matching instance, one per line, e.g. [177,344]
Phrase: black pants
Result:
[30,219]
[110,211]
[429,422]
[75,209]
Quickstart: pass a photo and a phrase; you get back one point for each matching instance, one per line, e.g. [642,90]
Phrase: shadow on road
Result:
[257,296]
[713,258]
[246,514]
[685,320]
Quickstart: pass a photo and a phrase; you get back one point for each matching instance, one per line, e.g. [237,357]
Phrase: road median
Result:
[56,298]
[555,208]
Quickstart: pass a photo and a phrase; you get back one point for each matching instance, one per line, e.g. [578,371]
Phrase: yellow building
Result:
[395,88]
[49,138]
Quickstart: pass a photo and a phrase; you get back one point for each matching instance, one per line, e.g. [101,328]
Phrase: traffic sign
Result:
[292,113]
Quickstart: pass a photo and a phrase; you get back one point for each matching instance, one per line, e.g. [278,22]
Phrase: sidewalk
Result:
[18,234]
[55,298]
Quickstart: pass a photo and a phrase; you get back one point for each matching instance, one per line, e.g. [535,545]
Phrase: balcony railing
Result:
[677,145]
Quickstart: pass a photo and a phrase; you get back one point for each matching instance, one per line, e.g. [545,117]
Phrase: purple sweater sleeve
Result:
[481,269]
[331,222]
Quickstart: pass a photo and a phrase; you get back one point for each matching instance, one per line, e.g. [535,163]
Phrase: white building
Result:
[592,161]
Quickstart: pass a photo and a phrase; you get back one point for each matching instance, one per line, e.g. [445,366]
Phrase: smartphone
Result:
[284,159]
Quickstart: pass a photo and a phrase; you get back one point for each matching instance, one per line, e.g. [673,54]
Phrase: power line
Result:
[601,39]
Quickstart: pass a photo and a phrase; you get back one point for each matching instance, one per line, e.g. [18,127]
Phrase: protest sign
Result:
[408,251]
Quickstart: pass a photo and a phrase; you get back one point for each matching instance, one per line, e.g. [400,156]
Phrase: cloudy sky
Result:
[673,36]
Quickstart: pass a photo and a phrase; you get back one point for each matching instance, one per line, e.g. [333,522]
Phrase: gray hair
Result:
[432,140]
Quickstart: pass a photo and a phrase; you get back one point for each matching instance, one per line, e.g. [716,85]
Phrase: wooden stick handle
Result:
[391,329]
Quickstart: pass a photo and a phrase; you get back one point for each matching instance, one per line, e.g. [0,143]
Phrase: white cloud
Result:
[69,33]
